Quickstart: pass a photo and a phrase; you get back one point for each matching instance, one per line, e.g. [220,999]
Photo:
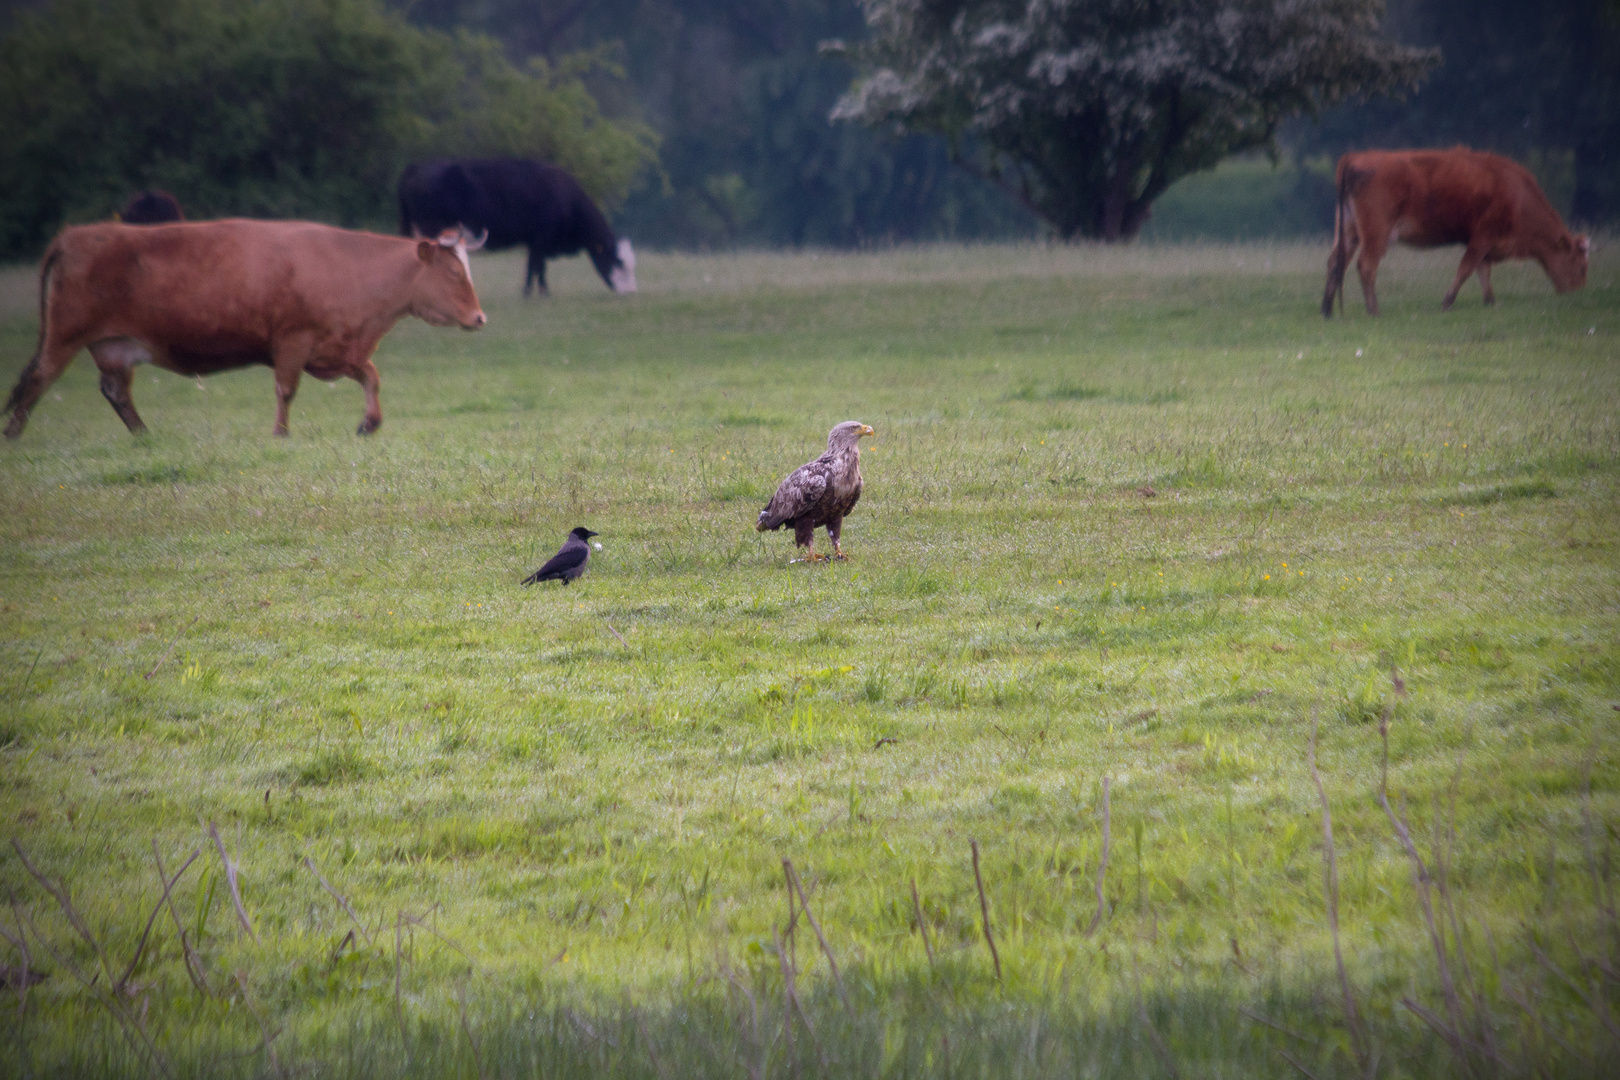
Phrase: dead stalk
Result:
[1102,867]
[230,880]
[788,997]
[1421,881]
[170,649]
[984,909]
[194,968]
[399,1009]
[1286,1056]
[1272,1024]
[922,925]
[804,905]
[26,971]
[265,1033]
[418,921]
[59,894]
[140,949]
[466,1029]
[338,897]
[133,1030]
[1597,1005]
[1330,887]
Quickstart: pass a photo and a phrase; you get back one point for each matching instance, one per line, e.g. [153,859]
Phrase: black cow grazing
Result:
[151,207]
[516,202]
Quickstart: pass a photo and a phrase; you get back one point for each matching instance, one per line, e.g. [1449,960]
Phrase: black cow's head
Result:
[617,265]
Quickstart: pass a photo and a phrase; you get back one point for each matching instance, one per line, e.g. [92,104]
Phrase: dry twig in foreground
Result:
[984,909]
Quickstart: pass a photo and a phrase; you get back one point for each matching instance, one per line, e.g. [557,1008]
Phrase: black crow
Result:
[570,560]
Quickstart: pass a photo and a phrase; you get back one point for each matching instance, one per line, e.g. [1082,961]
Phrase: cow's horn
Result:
[473,244]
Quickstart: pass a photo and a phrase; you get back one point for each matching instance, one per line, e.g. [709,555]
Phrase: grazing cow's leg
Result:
[1338,262]
[116,359]
[1473,259]
[289,367]
[1485,283]
[48,363]
[1373,247]
[365,374]
[536,272]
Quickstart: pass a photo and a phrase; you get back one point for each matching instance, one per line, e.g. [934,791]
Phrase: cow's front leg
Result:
[289,369]
[1473,259]
[365,373]
[1485,283]
[116,360]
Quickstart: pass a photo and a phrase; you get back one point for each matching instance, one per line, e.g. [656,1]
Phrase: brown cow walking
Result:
[202,297]
[1427,198]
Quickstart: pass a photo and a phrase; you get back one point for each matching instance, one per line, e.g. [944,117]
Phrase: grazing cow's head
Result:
[1566,263]
[443,293]
[622,278]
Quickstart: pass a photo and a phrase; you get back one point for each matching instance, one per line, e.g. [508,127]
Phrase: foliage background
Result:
[701,123]
[271,108]
[739,94]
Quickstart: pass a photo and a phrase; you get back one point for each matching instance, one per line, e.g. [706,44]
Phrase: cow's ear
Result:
[424,250]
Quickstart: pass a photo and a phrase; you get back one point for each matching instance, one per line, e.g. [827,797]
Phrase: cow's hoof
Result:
[367,427]
[15,428]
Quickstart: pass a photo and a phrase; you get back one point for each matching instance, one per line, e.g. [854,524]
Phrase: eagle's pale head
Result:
[847,434]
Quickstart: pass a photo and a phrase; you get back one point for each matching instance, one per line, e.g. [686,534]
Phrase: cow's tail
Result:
[19,393]
[1339,257]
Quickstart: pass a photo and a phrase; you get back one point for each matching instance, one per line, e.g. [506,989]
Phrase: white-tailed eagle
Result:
[820,492]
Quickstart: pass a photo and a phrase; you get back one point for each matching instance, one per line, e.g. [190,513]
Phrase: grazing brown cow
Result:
[209,296]
[1427,198]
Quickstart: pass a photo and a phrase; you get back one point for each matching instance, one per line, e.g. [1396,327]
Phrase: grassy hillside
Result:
[1133,517]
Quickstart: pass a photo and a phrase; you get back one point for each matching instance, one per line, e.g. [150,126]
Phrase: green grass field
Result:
[1134,516]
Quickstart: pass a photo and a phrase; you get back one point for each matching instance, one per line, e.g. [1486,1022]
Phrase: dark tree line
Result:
[706,122]
[1539,82]
[269,108]
[740,91]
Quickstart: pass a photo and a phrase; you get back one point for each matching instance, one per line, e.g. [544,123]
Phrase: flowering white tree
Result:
[1087,110]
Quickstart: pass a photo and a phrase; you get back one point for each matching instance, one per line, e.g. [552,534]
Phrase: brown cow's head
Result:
[443,294]
[1566,263]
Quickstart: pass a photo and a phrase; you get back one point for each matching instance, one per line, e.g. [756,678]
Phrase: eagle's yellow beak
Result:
[865,430]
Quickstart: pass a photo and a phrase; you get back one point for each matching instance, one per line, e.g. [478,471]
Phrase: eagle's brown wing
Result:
[799,494]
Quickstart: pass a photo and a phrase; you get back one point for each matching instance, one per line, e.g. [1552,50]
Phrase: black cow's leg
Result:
[116,360]
[536,272]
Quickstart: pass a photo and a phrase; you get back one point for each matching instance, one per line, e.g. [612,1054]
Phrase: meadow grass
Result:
[1136,514]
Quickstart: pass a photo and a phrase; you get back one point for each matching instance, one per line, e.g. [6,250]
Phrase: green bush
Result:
[270,108]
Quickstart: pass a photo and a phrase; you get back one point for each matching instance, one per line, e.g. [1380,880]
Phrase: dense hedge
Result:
[271,108]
